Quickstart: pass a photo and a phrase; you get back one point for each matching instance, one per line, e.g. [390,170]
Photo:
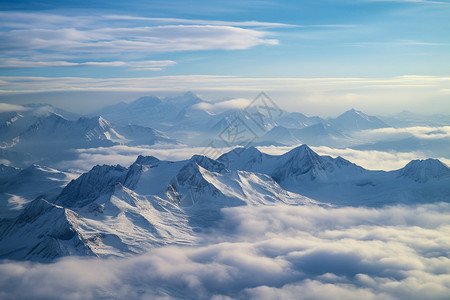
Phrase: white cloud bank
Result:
[422,132]
[267,253]
[376,160]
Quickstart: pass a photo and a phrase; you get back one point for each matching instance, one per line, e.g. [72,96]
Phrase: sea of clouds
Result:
[302,252]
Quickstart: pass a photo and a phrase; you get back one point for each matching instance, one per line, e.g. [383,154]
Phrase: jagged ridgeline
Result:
[45,135]
[119,211]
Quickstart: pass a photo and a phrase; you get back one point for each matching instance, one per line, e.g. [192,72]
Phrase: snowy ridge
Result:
[12,124]
[188,119]
[117,211]
[89,186]
[299,164]
[338,181]
[52,137]
[84,129]
[57,237]
[112,210]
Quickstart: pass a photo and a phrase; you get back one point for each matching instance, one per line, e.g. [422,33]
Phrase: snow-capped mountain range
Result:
[112,210]
[340,182]
[44,135]
[118,211]
[184,116]
[48,137]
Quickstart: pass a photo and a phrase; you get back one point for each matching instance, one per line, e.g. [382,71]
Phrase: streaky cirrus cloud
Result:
[16,19]
[25,35]
[166,38]
[302,252]
[141,65]
[203,22]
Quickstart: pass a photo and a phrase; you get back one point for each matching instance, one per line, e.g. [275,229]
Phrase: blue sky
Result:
[47,48]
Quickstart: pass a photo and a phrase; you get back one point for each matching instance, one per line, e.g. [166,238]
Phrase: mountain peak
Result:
[302,150]
[355,113]
[353,119]
[36,168]
[54,117]
[303,154]
[146,160]
[300,162]
[207,163]
[427,163]
[252,150]
[91,185]
[94,121]
[424,170]
[146,101]
[189,94]
[247,152]
[241,155]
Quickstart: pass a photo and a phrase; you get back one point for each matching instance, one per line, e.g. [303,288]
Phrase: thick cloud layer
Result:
[268,252]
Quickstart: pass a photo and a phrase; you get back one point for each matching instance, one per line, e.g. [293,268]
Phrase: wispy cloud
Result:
[85,37]
[217,107]
[142,65]
[5,107]
[168,38]
[422,132]
[27,35]
[405,43]
[198,22]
